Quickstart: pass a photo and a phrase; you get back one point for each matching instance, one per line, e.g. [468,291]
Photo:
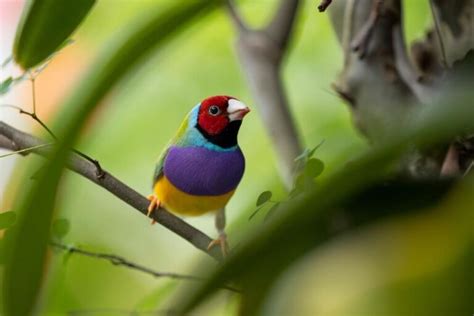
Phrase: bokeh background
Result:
[136,121]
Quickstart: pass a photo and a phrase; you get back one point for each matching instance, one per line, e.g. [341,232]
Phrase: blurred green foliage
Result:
[44,27]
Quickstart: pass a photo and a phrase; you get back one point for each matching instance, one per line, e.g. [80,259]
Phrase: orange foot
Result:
[222,242]
[154,204]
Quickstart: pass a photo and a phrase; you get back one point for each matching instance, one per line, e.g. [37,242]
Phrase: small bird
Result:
[202,165]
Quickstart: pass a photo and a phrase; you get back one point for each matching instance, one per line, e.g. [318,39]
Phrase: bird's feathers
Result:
[183,203]
[195,175]
[201,171]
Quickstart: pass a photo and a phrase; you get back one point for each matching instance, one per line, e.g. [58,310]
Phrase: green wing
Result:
[159,166]
[175,141]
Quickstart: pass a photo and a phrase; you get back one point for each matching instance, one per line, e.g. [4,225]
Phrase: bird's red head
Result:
[218,112]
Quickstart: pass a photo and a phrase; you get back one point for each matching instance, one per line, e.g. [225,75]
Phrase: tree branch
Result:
[120,261]
[13,139]
[261,52]
[35,117]
[324,5]
[281,25]
[362,39]
[235,16]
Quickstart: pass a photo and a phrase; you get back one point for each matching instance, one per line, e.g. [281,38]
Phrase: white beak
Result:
[236,110]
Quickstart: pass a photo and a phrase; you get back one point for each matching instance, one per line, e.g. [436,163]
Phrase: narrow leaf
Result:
[311,153]
[264,197]
[303,156]
[45,26]
[255,212]
[6,62]
[272,211]
[6,85]
[7,219]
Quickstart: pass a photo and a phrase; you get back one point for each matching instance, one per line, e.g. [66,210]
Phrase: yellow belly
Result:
[177,201]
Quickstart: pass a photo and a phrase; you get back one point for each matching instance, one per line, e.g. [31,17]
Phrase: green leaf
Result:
[307,153]
[264,197]
[6,85]
[7,219]
[255,212]
[271,212]
[314,167]
[61,227]
[26,259]
[7,61]
[303,156]
[311,153]
[45,26]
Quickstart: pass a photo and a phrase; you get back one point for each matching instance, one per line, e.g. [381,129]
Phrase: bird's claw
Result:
[154,204]
[222,242]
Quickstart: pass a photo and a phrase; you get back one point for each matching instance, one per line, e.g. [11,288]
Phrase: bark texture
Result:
[383,80]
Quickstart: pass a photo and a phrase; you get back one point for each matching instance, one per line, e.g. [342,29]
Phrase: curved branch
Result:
[13,139]
[235,16]
[281,25]
[261,52]
[120,261]
[324,5]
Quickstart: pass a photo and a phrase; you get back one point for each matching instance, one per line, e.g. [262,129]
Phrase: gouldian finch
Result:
[202,166]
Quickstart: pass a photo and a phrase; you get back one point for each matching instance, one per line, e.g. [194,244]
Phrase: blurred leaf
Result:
[307,153]
[441,292]
[5,85]
[308,222]
[3,246]
[7,61]
[45,26]
[264,197]
[61,227]
[271,211]
[299,185]
[2,251]
[155,299]
[26,264]
[314,167]
[311,153]
[7,219]
[255,212]
[8,83]
[303,156]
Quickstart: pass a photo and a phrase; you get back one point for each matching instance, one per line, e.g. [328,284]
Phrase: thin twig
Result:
[362,39]
[471,165]
[120,261]
[18,140]
[347,29]
[235,16]
[34,116]
[261,51]
[444,60]
[32,79]
[324,5]
[25,150]
[450,166]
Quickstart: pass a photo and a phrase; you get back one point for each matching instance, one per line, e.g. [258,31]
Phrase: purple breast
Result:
[201,171]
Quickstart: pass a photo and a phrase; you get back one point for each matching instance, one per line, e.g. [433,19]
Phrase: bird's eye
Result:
[214,110]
